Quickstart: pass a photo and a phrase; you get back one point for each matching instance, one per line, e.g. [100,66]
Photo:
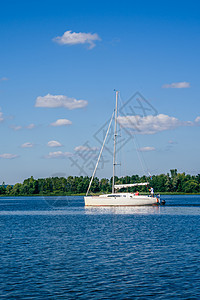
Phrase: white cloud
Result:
[52,101]
[74,38]
[58,154]
[151,124]
[197,120]
[61,122]
[19,127]
[1,116]
[146,149]
[16,127]
[172,142]
[8,156]
[30,126]
[54,144]
[85,148]
[177,85]
[27,145]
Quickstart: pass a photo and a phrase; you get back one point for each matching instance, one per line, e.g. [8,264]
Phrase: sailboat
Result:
[118,198]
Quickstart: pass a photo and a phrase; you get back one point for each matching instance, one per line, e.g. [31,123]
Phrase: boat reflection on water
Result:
[123,210]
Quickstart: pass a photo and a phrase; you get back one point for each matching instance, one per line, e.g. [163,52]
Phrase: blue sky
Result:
[59,65]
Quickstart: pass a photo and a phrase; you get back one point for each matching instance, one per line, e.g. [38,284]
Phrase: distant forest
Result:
[172,182]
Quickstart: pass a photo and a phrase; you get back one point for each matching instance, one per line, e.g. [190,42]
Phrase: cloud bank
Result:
[19,127]
[75,38]
[54,144]
[58,154]
[1,116]
[146,149]
[27,145]
[151,124]
[30,126]
[61,122]
[197,120]
[171,142]
[85,148]
[8,156]
[52,101]
[16,127]
[177,85]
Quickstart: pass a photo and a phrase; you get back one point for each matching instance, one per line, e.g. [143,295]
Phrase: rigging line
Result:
[140,155]
[120,137]
[100,154]
[141,158]
[122,153]
[115,140]
[142,163]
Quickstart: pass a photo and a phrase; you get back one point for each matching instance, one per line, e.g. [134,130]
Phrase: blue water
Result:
[54,248]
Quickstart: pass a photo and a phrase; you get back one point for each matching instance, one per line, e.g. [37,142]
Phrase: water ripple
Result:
[78,253]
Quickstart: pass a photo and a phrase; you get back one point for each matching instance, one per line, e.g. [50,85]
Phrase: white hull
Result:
[121,199]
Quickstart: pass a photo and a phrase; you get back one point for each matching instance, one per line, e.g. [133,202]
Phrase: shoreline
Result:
[83,194]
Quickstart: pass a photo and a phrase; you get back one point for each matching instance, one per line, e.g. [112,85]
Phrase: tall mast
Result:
[115,138]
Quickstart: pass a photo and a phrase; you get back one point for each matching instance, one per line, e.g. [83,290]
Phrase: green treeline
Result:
[170,183]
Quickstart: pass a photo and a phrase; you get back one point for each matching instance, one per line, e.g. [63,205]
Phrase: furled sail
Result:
[121,186]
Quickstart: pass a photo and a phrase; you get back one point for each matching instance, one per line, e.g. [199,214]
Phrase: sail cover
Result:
[121,186]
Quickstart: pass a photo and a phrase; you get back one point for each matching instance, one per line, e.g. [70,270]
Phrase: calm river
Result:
[54,248]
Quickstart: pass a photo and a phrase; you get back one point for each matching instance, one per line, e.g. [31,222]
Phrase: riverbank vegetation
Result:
[172,182]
